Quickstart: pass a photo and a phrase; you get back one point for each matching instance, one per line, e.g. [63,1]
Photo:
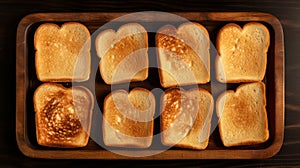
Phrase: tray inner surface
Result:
[152,82]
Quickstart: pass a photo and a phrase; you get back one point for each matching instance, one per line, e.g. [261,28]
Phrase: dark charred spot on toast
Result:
[59,118]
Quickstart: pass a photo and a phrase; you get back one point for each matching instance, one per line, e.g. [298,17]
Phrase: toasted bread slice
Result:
[183,55]
[242,115]
[63,115]
[124,54]
[242,53]
[62,53]
[128,118]
[186,118]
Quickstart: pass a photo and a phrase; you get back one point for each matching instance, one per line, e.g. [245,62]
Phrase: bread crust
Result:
[189,60]
[75,48]
[128,118]
[221,75]
[264,119]
[54,128]
[197,135]
[123,47]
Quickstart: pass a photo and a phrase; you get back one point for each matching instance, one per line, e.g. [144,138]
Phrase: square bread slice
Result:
[183,55]
[242,115]
[62,53]
[242,53]
[63,115]
[186,118]
[128,118]
[123,54]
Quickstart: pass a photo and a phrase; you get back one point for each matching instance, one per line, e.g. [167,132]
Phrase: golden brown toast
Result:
[186,118]
[63,115]
[242,53]
[183,55]
[242,115]
[62,53]
[123,54]
[128,118]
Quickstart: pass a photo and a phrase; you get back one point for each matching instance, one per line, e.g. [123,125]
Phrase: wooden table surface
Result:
[11,12]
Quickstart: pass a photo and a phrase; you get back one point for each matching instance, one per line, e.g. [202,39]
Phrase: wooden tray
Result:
[27,82]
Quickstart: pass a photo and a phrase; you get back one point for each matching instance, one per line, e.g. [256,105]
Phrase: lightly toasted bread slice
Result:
[186,118]
[128,118]
[62,53]
[63,115]
[242,115]
[183,55]
[242,53]
[123,54]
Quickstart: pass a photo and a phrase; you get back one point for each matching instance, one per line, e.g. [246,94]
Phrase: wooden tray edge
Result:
[29,151]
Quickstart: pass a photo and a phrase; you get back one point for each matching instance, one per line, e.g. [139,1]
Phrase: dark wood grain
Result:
[288,13]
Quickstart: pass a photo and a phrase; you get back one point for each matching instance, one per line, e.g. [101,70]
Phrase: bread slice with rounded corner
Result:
[242,115]
[183,55]
[242,53]
[62,115]
[186,118]
[123,54]
[128,118]
[62,53]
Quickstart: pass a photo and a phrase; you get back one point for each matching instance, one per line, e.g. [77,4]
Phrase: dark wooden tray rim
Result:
[231,153]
